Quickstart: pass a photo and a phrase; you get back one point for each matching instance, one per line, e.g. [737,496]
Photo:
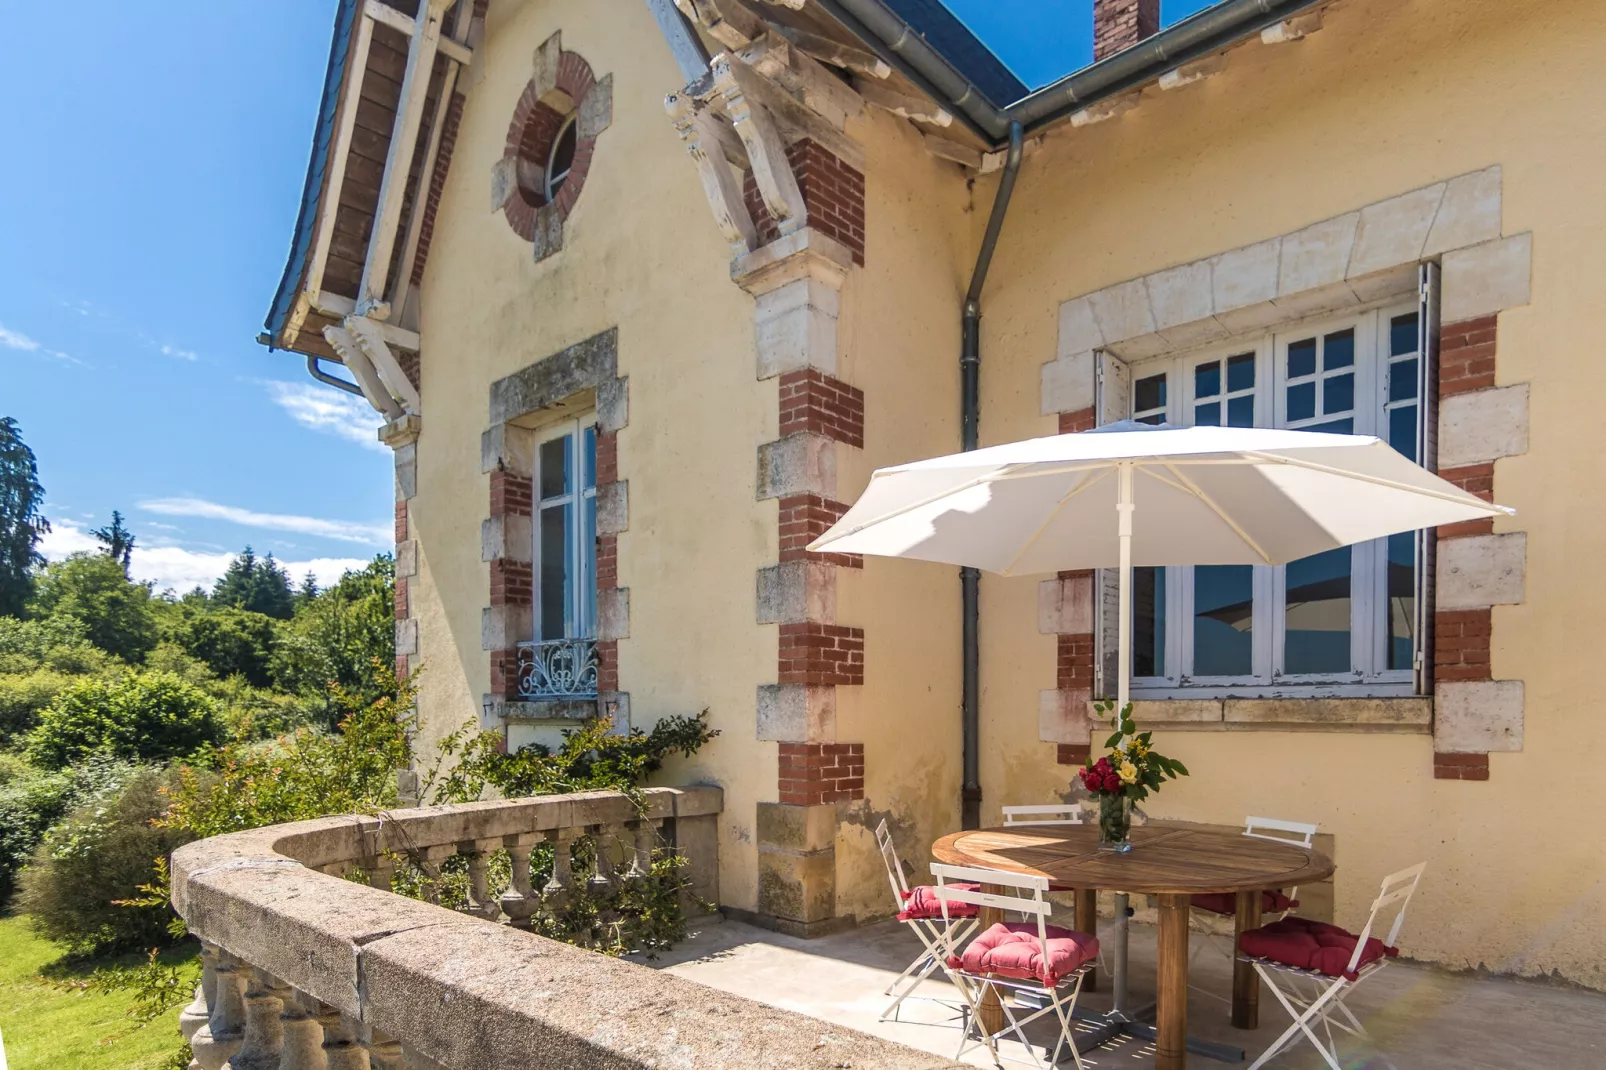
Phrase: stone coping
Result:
[1411,714]
[468,993]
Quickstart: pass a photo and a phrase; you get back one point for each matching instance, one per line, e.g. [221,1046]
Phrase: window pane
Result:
[1207,380]
[588,546]
[1241,411]
[1402,380]
[1149,395]
[1402,430]
[1302,358]
[1402,599]
[1208,415]
[1301,402]
[557,591]
[1223,620]
[1241,372]
[1338,394]
[1402,335]
[1317,618]
[588,459]
[555,466]
[1338,350]
[1345,426]
[1148,622]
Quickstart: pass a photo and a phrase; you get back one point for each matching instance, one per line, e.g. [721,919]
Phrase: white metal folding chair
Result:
[1056,814]
[927,921]
[1311,996]
[1056,985]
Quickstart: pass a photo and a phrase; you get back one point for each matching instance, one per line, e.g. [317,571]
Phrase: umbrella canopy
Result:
[1199,496]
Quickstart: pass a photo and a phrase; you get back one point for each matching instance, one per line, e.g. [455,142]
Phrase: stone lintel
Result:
[586,365]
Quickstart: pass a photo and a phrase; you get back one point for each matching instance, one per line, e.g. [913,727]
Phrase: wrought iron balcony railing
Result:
[558,668]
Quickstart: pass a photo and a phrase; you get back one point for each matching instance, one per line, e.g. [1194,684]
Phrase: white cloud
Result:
[181,354]
[342,530]
[328,410]
[17,340]
[181,569]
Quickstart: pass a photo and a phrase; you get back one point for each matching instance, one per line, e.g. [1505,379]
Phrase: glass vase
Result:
[1115,823]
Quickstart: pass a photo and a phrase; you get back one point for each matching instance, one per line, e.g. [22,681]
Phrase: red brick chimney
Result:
[1119,24]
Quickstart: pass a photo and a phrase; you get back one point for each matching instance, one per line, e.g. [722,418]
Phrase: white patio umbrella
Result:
[1136,494]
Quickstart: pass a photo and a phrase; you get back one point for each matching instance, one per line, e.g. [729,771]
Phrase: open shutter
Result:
[1112,393]
[1427,454]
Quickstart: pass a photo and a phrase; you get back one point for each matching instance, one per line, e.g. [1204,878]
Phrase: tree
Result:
[232,642]
[142,717]
[117,539]
[308,589]
[336,638]
[257,584]
[115,612]
[21,526]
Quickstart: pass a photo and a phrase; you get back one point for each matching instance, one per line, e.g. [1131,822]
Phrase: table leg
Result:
[1171,1018]
[1245,984]
[990,1012]
[1087,921]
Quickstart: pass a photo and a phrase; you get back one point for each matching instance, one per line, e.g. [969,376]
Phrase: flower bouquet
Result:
[1124,776]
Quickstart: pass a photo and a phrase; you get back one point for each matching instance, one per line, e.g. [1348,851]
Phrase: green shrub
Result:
[344,637]
[77,888]
[147,716]
[58,643]
[22,698]
[229,641]
[32,800]
[91,589]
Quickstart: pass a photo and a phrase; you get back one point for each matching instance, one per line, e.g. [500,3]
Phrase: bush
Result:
[91,590]
[339,637]
[59,644]
[76,888]
[148,716]
[230,642]
[22,698]
[32,800]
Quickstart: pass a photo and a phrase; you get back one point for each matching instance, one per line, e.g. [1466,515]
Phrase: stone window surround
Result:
[1347,262]
[583,376]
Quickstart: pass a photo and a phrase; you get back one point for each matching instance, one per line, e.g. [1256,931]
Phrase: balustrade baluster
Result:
[479,887]
[264,1037]
[199,1012]
[519,901]
[431,859]
[603,837]
[646,838]
[341,1051]
[384,1051]
[303,1036]
[217,1040]
[559,887]
[380,869]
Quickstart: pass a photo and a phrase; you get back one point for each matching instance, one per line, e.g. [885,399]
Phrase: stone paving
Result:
[1419,1017]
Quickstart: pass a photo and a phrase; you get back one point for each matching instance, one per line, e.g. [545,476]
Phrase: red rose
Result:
[1112,783]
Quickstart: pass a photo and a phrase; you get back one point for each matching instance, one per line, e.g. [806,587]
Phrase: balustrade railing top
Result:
[306,970]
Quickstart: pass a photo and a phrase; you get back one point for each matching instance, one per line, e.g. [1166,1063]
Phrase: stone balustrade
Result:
[306,970]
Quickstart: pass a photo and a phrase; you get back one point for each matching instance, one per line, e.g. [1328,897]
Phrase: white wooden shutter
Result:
[1112,393]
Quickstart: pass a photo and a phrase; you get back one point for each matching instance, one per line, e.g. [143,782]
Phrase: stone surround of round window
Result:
[549,149]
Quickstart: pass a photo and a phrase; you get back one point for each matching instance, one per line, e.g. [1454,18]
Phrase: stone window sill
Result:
[547,710]
[1410,715]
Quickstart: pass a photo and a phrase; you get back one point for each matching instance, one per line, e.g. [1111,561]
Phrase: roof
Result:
[954,41]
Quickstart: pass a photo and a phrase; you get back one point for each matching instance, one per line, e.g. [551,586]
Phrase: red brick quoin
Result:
[813,401]
[1460,767]
[833,195]
[815,773]
[821,654]
[804,518]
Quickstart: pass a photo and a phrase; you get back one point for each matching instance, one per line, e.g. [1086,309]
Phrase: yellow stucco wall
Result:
[1388,97]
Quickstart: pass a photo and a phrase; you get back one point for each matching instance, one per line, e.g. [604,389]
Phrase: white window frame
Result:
[580,611]
[1369,675]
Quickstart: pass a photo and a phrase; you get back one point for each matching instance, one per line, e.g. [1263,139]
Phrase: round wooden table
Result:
[1170,863]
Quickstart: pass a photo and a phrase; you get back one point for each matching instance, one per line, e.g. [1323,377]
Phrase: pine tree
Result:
[21,526]
[308,589]
[257,584]
[117,539]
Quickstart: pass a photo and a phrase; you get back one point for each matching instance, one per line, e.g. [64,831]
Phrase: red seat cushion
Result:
[1011,949]
[1271,902]
[1312,945]
[922,902]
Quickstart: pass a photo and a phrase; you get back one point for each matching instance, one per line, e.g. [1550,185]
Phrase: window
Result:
[1341,619]
[561,159]
[565,531]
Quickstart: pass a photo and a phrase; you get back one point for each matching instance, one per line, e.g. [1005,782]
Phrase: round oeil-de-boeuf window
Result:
[546,143]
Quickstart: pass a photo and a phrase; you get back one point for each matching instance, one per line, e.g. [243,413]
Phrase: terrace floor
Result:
[1420,1018]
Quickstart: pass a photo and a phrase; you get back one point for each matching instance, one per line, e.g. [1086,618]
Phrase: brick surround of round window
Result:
[539,120]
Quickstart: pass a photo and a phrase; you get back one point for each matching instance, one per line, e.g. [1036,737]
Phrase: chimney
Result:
[1119,24]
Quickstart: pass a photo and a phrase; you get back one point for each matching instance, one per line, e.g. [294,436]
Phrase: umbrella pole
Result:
[1124,507]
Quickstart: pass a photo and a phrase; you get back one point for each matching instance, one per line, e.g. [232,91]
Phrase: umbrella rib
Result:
[1428,492]
[1049,519]
[1214,508]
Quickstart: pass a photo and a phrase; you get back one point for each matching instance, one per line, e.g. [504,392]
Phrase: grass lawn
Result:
[46,1027]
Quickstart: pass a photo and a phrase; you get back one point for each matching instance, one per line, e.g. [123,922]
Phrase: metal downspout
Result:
[969,419]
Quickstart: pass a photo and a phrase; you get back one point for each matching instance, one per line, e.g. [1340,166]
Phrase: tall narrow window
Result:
[1401,407]
[565,533]
[1149,399]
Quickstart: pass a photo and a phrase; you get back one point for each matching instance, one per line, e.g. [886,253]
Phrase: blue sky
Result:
[151,180]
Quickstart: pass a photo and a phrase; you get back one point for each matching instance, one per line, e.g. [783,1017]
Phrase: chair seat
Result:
[1312,945]
[1012,949]
[921,903]
[1226,903]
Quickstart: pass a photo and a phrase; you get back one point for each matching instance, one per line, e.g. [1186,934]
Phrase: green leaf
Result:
[1113,740]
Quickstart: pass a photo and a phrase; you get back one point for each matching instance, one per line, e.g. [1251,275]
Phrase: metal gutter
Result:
[284,298]
[1195,37]
[969,426]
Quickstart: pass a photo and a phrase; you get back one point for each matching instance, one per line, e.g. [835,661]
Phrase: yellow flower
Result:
[1128,773]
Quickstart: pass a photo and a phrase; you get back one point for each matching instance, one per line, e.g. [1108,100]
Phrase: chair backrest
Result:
[1019,893]
[1397,888]
[889,855]
[1057,814]
[1279,831]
